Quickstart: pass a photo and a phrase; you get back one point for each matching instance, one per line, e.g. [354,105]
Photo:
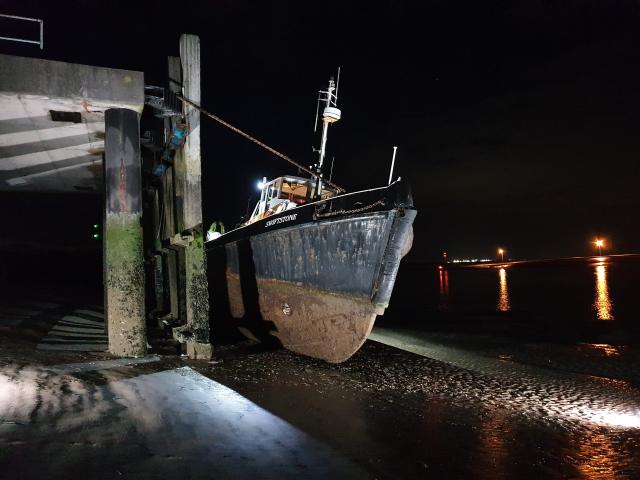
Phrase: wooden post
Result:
[188,189]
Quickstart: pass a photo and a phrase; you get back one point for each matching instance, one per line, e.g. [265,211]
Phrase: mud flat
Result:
[259,413]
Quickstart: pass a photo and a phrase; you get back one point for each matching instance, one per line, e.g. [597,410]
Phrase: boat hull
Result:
[315,287]
[317,324]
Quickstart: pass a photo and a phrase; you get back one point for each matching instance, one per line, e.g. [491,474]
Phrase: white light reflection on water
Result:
[503,293]
[538,393]
[602,303]
[613,417]
[618,419]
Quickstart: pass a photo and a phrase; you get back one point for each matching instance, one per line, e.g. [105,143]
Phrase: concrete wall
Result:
[98,86]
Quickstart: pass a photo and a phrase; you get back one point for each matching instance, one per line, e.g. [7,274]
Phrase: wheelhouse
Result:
[285,193]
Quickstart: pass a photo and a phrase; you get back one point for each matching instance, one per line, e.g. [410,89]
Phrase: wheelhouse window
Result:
[285,193]
[297,192]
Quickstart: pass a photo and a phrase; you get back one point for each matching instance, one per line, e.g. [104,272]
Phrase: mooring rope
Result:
[258,142]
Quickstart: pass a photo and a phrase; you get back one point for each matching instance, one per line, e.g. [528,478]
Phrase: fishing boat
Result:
[313,266]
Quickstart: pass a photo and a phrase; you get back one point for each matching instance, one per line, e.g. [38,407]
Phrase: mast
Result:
[330,114]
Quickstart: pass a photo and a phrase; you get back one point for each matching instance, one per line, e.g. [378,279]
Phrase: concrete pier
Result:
[55,135]
[123,250]
[52,122]
[58,123]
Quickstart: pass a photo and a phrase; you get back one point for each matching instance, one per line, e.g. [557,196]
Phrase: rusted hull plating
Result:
[314,323]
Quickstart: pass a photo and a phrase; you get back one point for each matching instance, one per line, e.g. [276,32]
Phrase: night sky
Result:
[516,122]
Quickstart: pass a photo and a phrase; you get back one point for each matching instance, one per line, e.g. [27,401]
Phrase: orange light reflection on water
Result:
[605,348]
[444,282]
[602,303]
[503,293]
[599,456]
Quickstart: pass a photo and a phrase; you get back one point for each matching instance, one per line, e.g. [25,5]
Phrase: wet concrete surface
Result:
[172,423]
[460,412]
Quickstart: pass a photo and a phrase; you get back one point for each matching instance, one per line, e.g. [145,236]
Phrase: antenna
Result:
[330,114]
[337,86]
[393,162]
[331,172]
[315,125]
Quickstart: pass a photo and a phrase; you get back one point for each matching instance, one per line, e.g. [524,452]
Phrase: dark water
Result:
[571,298]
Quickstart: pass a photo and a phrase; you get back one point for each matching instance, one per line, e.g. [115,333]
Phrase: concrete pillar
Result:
[197,296]
[188,192]
[123,251]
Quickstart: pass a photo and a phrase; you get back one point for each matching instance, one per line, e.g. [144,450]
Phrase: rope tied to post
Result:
[258,142]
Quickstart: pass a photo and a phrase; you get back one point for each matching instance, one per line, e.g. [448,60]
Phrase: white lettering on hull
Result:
[286,218]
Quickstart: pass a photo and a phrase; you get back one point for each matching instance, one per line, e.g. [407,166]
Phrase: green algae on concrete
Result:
[124,284]
[197,298]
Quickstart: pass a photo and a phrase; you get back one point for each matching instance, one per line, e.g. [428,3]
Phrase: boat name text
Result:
[286,218]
